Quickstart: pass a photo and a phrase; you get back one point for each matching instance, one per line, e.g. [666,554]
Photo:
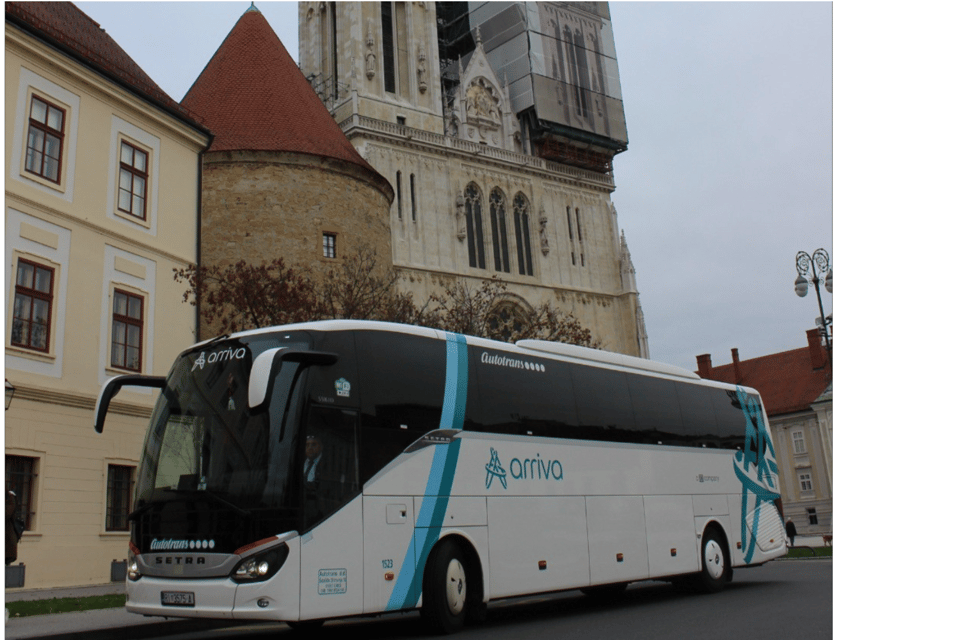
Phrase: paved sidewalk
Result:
[104,624]
[98,624]
[22,595]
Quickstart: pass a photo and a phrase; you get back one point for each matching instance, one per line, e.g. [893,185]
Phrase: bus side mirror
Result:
[267,365]
[112,387]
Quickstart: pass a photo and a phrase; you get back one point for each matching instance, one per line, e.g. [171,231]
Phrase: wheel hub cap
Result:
[456,587]
[713,559]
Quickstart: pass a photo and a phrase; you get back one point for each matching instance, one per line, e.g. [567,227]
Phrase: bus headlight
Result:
[261,566]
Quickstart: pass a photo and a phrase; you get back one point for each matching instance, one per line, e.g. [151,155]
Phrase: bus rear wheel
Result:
[445,589]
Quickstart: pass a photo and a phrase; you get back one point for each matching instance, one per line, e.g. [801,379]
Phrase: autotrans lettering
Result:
[169,544]
[218,356]
[511,363]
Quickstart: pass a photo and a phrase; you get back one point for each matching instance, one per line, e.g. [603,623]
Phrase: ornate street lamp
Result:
[8,390]
[818,264]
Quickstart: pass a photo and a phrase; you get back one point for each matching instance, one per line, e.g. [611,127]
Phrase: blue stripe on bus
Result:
[436,495]
[455,389]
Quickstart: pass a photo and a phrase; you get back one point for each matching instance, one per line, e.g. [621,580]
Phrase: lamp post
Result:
[818,264]
[8,390]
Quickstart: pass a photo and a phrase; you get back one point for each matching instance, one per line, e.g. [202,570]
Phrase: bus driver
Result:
[314,451]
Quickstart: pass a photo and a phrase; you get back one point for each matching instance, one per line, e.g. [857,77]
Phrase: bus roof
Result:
[539,347]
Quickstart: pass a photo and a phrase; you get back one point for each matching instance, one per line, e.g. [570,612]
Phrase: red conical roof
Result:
[254,98]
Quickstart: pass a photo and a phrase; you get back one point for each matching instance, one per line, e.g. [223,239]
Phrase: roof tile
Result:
[254,98]
[68,28]
[787,381]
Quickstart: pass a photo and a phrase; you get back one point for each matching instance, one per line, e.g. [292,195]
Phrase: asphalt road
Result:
[783,600]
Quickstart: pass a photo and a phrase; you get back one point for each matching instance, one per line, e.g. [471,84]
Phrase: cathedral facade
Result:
[496,125]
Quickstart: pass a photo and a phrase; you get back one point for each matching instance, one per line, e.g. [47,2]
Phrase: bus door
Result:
[331,553]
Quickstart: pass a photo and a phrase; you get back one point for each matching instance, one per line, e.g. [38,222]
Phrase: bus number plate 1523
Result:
[176,598]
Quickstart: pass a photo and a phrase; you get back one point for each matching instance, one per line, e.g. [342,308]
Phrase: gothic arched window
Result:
[475,226]
[521,225]
[498,222]
[507,321]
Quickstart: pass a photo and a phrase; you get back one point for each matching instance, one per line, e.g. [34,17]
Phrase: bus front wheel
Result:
[445,589]
[715,562]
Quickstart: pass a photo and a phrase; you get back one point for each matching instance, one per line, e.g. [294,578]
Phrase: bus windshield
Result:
[212,468]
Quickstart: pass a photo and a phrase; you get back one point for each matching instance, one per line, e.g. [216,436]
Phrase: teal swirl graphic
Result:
[756,468]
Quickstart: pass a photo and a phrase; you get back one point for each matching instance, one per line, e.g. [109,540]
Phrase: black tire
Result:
[305,626]
[445,589]
[715,561]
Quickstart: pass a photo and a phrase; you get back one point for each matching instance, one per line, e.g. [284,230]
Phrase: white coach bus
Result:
[452,471]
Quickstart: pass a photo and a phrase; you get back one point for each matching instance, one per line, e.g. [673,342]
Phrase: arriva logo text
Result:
[536,468]
[218,356]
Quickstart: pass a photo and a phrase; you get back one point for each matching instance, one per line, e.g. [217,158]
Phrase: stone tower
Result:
[280,179]
[496,124]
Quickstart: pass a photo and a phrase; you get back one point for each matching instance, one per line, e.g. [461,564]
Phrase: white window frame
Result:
[799,442]
[336,250]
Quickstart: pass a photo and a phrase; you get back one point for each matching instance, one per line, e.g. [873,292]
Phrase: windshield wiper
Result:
[216,498]
[139,511]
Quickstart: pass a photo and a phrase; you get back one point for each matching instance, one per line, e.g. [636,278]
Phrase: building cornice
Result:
[79,401]
[142,248]
[463,150]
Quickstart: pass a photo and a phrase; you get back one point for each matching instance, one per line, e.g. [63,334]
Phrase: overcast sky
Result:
[729,168]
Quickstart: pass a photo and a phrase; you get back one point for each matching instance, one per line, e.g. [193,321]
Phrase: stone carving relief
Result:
[481,111]
[371,56]
[483,104]
[544,240]
[421,69]
[461,217]
[628,274]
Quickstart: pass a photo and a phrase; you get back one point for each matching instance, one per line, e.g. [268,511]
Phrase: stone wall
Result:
[258,206]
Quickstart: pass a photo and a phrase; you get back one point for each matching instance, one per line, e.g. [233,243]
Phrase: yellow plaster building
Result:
[101,195]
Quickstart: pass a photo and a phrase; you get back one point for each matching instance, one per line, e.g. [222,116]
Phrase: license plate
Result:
[176,598]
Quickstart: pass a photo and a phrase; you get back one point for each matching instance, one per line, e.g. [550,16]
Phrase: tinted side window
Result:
[522,394]
[603,405]
[656,409]
[402,380]
[731,422]
[699,421]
